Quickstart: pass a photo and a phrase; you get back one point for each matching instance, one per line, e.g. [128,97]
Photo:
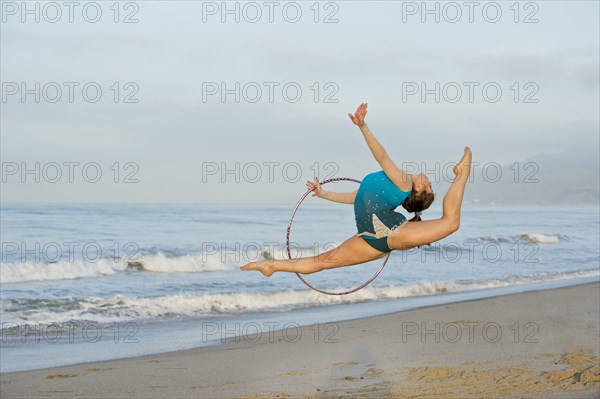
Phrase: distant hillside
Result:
[563,178]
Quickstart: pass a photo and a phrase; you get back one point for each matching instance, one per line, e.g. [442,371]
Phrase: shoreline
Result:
[531,344]
[122,340]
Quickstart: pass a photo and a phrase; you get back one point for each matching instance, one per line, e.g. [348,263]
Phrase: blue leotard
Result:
[374,205]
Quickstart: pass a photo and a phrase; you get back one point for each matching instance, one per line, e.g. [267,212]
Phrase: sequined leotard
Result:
[374,205]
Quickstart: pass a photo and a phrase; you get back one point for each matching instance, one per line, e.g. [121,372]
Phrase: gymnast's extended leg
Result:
[428,231]
[351,252]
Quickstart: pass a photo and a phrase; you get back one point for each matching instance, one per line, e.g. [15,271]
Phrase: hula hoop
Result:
[287,244]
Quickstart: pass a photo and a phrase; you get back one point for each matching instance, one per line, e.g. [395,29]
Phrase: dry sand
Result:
[548,347]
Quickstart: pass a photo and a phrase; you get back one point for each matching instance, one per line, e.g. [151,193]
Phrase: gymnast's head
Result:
[421,196]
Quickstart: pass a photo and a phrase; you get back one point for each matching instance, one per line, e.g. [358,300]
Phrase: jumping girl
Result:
[380,228]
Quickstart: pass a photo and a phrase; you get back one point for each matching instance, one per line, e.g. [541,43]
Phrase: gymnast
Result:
[380,228]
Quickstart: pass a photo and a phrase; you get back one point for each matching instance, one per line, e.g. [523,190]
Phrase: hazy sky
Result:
[170,135]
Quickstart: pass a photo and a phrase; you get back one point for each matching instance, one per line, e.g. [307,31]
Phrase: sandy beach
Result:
[543,344]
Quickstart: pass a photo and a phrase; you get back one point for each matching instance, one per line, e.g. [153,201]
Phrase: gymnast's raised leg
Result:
[428,231]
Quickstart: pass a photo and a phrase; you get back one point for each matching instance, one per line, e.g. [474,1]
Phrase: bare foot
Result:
[464,164]
[261,266]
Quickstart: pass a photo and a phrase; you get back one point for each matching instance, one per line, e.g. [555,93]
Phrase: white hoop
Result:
[287,244]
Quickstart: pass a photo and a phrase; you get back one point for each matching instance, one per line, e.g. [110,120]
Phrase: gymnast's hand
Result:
[318,191]
[359,117]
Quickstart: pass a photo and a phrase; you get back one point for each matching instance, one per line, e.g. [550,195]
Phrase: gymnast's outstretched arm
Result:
[400,178]
[343,198]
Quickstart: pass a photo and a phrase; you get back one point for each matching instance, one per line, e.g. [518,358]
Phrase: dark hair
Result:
[418,202]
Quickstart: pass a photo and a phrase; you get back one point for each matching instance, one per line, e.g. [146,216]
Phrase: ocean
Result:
[87,282]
